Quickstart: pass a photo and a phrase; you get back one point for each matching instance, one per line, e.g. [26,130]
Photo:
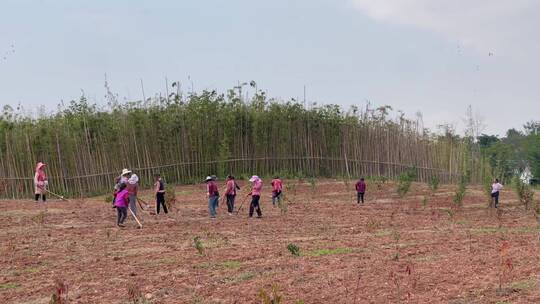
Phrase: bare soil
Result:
[416,249]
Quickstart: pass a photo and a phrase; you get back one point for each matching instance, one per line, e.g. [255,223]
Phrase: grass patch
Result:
[231,264]
[382,232]
[321,252]
[220,265]
[32,270]
[524,285]
[9,285]
[239,278]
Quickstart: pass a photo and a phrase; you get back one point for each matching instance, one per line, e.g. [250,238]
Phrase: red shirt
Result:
[277,185]
[132,188]
[360,186]
[212,188]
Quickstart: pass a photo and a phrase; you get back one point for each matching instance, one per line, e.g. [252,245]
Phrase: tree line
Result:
[188,137]
[515,154]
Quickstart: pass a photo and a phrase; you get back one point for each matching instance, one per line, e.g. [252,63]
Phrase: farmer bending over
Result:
[121,203]
[40,182]
[277,188]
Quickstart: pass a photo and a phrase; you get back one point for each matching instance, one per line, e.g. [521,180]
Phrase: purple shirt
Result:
[122,199]
[360,187]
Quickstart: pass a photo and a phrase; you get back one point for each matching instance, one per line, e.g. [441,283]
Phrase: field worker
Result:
[255,196]
[360,190]
[230,193]
[159,190]
[495,188]
[124,176]
[116,189]
[121,203]
[40,182]
[277,188]
[213,196]
[214,178]
[132,187]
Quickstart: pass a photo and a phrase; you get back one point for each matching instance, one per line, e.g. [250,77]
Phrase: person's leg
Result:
[362,197]
[37,197]
[210,206]
[119,216]
[233,198]
[229,206]
[157,203]
[258,206]
[215,205]
[44,198]
[497,200]
[133,203]
[122,214]
[358,197]
[162,200]
[274,198]
[252,206]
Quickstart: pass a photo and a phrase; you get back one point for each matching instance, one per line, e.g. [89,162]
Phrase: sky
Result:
[436,57]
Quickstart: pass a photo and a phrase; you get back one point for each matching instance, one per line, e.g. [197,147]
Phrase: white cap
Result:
[254,178]
[208,178]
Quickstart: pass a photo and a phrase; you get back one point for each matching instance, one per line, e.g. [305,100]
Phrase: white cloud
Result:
[508,27]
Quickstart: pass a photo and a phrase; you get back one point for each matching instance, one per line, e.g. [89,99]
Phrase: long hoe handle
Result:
[57,195]
[242,204]
[135,217]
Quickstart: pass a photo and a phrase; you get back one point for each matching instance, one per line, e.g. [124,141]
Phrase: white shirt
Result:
[496,187]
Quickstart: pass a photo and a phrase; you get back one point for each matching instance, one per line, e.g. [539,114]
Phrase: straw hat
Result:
[254,178]
[125,171]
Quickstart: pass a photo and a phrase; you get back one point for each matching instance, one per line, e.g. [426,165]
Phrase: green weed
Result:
[9,285]
[293,249]
[321,252]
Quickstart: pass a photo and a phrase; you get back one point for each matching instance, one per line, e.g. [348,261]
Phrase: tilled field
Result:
[418,249]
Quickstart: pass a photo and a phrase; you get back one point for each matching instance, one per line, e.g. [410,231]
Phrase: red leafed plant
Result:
[60,295]
[506,265]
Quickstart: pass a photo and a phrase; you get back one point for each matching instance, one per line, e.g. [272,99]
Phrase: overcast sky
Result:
[432,56]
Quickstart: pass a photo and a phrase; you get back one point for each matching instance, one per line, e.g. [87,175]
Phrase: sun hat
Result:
[208,178]
[254,178]
[125,171]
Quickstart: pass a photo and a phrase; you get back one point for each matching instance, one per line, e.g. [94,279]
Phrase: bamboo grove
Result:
[187,138]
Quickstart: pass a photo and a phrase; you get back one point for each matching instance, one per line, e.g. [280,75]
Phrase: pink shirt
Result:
[231,187]
[122,199]
[496,187]
[257,187]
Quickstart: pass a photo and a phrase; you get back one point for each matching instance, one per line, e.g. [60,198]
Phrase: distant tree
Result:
[485,141]
[532,151]
[532,127]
